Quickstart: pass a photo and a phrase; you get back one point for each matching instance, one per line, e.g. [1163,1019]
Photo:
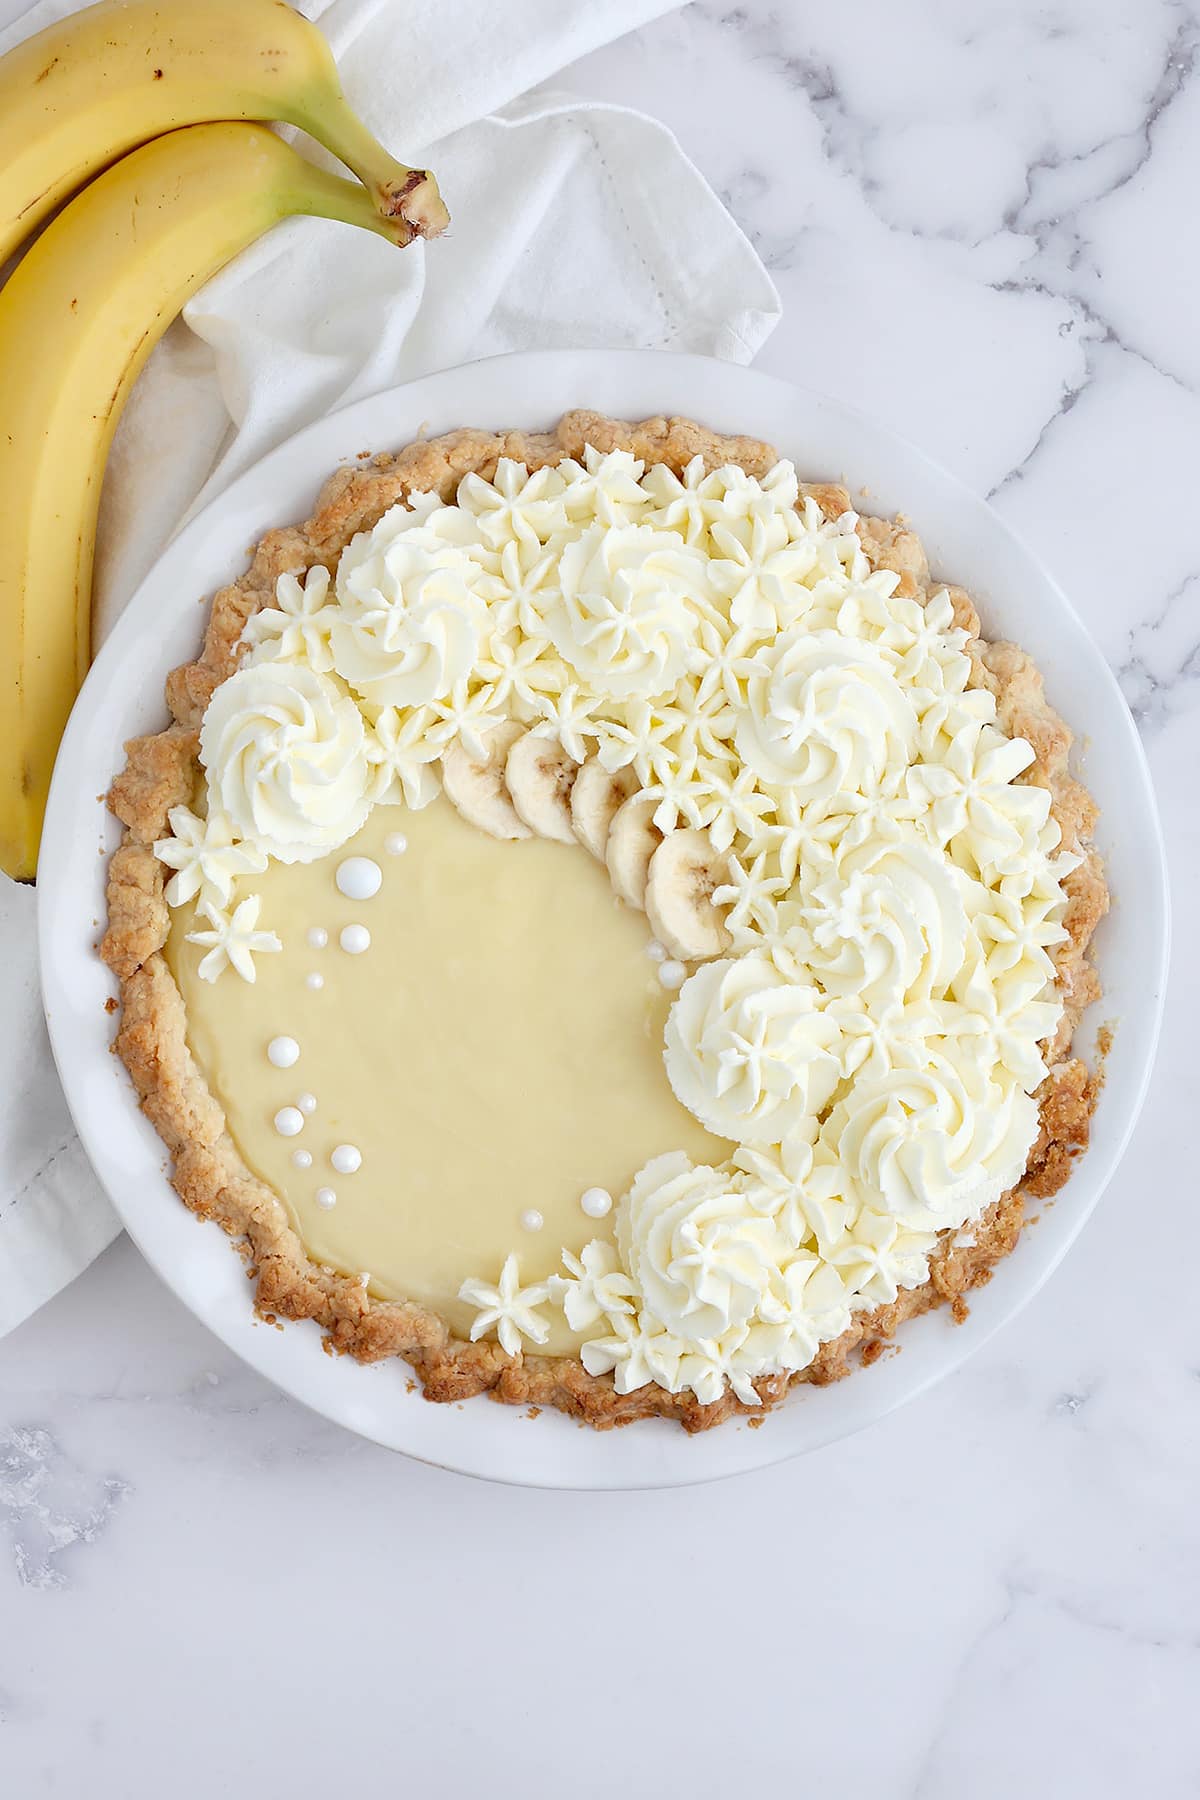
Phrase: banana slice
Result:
[633,838]
[539,776]
[595,797]
[683,873]
[477,788]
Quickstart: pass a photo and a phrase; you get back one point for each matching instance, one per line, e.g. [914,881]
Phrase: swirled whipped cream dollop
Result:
[750,1052]
[409,625]
[870,1038]
[285,751]
[824,715]
[623,616]
[721,1291]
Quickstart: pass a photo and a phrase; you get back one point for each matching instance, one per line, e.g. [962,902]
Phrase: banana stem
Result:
[326,196]
[402,196]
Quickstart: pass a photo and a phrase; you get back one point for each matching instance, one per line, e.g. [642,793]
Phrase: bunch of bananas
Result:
[164,91]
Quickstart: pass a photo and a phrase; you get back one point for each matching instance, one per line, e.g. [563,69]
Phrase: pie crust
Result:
[208,1172]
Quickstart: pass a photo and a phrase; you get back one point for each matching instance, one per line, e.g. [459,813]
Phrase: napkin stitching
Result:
[614,187]
[38,1173]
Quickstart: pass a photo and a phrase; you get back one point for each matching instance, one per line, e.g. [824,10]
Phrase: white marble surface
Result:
[982,221]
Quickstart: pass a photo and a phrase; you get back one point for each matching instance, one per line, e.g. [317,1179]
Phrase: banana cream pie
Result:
[603,925]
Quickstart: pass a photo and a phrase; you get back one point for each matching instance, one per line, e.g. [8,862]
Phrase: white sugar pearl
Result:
[325,1198]
[354,939]
[346,1159]
[288,1121]
[655,951]
[314,981]
[307,1103]
[596,1202]
[532,1220]
[317,937]
[359,878]
[302,1159]
[672,974]
[395,843]
[283,1052]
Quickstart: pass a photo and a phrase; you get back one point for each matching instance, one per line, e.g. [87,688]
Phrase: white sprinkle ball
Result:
[307,1103]
[282,1052]
[317,937]
[672,974]
[288,1121]
[655,951]
[395,843]
[346,1158]
[302,1159]
[359,878]
[532,1220]
[354,939]
[314,981]
[325,1198]
[596,1202]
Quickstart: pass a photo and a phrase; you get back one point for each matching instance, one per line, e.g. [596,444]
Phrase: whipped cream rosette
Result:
[285,750]
[750,1052]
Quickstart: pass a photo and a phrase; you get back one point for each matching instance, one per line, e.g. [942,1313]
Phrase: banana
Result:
[478,789]
[596,793]
[539,776]
[683,872]
[633,838]
[85,90]
[78,317]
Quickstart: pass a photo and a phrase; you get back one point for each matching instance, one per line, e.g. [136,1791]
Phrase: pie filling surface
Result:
[603,924]
[495,1054]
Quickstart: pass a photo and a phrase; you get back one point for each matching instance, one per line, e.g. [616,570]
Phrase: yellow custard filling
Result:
[493,1054]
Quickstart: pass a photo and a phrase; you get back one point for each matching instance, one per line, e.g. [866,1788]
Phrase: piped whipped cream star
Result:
[401,756]
[518,672]
[297,627]
[521,591]
[752,896]
[734,806]
[233,940]
[975,799]
[205,857]
[594,1287]
[779,1173]
[515,507]
[606,487]
[468,713]
[508,1308]
[759,571]
[817,1308]
[685,503]
[570,711]
[637,1356]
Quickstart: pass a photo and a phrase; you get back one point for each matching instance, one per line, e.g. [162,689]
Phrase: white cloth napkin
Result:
[573,224]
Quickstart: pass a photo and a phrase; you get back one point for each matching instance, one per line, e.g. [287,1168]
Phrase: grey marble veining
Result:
[49,1504]
[982,221]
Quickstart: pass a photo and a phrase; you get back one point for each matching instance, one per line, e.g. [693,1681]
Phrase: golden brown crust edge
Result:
[209,1174]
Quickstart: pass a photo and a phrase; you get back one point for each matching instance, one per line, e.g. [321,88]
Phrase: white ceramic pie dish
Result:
[966,541]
